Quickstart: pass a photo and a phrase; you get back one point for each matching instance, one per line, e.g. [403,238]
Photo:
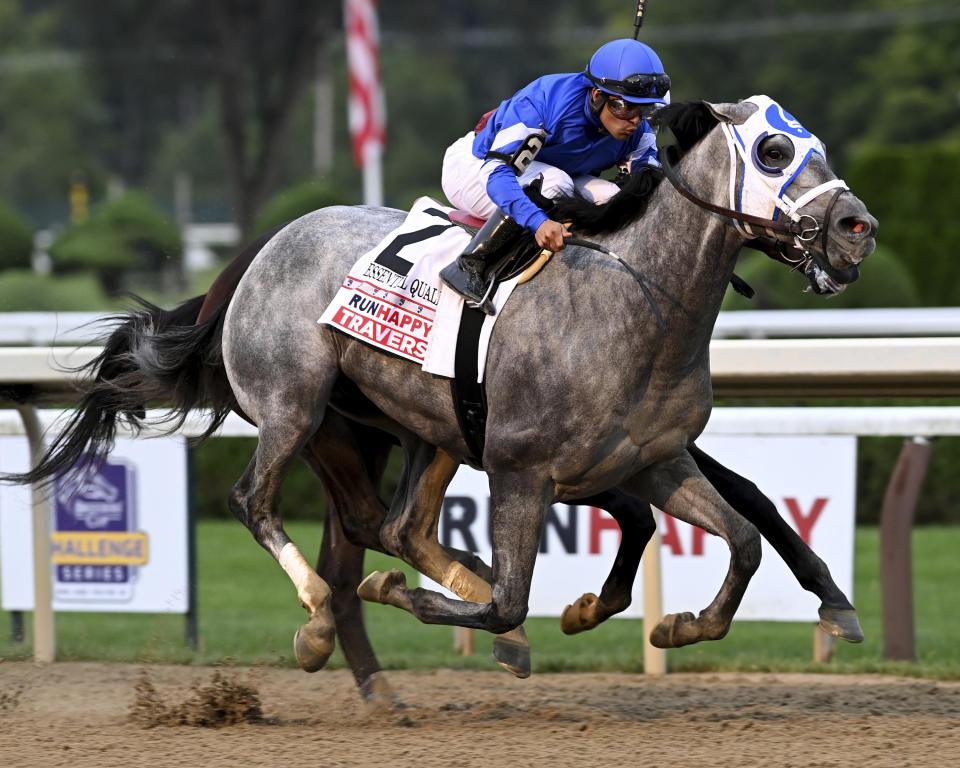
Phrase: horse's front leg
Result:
[679,489]
[838,617]
[519,504]
[636,527]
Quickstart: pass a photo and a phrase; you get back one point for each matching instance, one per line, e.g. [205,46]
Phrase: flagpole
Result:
[373,174]
[366,108]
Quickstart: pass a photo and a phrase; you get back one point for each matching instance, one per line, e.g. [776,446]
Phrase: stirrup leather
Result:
[468,274]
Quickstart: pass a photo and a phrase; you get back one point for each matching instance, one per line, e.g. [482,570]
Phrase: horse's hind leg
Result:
[838,617]
[253,501]
[678,488]
[340,564]
[636,527]
[410,533]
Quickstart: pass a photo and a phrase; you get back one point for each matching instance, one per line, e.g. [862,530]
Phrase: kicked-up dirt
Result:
[86,714]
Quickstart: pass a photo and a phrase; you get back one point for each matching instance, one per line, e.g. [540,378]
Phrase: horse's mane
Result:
[689,122]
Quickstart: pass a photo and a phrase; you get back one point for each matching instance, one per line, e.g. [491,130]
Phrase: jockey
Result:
[577,125]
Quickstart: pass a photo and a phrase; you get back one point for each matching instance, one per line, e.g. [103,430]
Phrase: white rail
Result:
[907,421]
[809,367]
[927,366]
[71,328]
[800,323]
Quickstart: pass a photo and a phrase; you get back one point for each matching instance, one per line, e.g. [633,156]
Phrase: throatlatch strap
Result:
[469,395]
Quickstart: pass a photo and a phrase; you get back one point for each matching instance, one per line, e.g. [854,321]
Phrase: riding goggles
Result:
[638,86]
[627,110]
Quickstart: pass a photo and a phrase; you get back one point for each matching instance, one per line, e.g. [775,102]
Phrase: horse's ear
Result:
[732,113]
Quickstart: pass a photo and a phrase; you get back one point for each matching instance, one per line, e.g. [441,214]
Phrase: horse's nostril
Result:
[855,225]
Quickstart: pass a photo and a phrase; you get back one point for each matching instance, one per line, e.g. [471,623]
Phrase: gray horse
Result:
[593,382]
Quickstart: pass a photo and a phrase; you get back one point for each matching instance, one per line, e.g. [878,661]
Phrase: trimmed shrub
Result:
[913,192]
[23,290]
[16,239]
[297,201]
[127,233]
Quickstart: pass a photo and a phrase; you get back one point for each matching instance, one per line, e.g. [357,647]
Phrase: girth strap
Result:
[469,395]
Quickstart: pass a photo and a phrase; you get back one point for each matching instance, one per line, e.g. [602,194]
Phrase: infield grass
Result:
[248,614]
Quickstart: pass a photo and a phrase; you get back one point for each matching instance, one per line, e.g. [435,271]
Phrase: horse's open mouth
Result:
[825,278]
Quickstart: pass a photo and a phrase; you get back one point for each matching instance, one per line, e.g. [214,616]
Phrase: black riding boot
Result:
[467,275]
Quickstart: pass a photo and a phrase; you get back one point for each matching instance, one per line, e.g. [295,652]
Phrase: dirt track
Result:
[80,715]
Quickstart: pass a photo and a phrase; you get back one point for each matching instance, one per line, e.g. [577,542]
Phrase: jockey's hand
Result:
[551,234]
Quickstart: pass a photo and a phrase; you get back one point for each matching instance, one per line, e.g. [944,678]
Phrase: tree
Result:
[267,53]
[50,120]
[155,61]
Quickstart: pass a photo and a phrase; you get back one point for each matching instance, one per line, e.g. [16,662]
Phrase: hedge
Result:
[913,192]
[16,239]
[127,233]
[297,201]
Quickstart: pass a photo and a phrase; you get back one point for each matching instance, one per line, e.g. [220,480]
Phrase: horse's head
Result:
[782,189]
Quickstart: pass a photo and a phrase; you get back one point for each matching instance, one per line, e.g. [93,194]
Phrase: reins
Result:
[633,273]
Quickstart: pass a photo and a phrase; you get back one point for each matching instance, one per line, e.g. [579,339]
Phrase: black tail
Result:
[151,354]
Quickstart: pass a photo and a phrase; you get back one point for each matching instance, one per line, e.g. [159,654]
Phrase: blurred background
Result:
[141,142]
[202,123]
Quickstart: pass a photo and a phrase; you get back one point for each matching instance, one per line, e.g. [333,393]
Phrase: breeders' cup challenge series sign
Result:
[118,538]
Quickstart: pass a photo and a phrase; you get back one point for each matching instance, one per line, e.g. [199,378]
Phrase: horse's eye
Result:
[772,154]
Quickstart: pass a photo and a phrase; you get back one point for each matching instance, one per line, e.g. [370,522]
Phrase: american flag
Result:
[367,113]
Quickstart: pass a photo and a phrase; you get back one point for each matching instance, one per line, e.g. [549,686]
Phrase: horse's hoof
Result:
[841,622]
[512,652]
[669,632]
[581,615]
[378,695]
[313,643]
[377,586]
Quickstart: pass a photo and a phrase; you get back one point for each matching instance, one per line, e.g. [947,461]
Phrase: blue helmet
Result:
[631,70]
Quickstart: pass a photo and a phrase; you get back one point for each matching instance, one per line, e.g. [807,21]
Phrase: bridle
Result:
[809,235]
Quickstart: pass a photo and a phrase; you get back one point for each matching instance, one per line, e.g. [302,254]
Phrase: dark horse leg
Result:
[351,476]
[837,616]
[519,499]
[637,526]
[350,458]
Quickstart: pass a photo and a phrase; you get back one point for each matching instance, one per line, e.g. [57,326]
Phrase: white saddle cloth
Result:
[393,299]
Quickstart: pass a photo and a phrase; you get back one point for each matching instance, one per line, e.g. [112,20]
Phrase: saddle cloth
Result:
[393,300]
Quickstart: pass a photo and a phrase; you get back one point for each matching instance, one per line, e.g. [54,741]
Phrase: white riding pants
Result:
[465,186]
